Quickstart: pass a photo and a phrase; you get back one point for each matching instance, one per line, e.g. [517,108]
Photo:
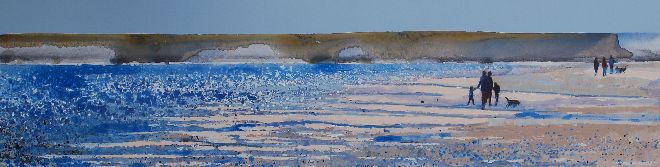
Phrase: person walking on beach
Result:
[485,89]
[471,95]
[596,64]
[490,83]
[496,89]
[604,65]
[611,61]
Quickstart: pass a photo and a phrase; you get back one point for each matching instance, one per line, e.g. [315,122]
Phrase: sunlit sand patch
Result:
[340,119]
[531,97]
[352,137]
[638,70]
[284,158]
[327,110]
[354,134]
[560,121]
[422,109]
[623,158]
[562,78]
[543,101]
[210,136]
[381,131]
[252,135]
[634,132]
[450,95]
[610,109]
[541,64]
[384,89]
[266,140]
[211,125]
[606,144]
[400,99]
[417,131]
[245,148]
[260,133]
[260,129]
[565,80]
[599,105]
[140,144]
[236,118]
[323,148]
[393,120]
[220,107]
[343,138]
[462,81]
[586,105]
[283,148]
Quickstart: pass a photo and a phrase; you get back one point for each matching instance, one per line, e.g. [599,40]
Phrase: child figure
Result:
[471,95]
[496,89]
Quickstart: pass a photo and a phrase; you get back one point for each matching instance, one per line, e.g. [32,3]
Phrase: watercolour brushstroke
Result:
[330,99]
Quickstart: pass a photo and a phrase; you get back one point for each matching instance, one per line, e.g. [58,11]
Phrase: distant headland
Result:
[362,47]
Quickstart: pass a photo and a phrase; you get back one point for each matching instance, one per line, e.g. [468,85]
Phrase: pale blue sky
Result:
[326,16]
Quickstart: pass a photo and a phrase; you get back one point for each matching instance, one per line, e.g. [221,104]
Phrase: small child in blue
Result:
[471,95]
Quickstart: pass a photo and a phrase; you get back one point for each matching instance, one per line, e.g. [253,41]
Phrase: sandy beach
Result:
[567,117]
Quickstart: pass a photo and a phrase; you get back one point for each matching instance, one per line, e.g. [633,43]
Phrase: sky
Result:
[325,16]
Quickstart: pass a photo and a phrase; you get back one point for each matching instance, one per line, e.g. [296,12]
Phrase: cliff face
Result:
[644,46]
[314,48]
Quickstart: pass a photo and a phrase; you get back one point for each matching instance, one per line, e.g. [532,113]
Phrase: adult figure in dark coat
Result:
[596,64]
[604,65]
[486,85]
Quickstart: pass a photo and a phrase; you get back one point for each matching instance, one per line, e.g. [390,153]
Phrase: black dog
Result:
[511,103]
[621,69]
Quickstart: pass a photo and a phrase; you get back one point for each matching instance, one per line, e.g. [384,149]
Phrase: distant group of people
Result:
[487,87]
[604,63]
